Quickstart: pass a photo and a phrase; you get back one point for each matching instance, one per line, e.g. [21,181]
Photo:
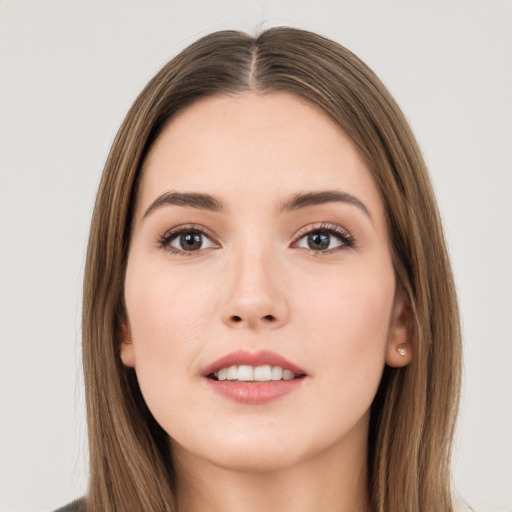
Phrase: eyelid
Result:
[342,234]
[334,229]
[164,241]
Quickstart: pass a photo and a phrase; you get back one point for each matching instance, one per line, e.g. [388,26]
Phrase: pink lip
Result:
[253,393]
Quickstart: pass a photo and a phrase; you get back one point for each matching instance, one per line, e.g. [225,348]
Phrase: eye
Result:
[324,239]
[186,240]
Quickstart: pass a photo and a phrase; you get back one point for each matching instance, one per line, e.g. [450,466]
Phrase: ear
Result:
[126,349]
[399,349]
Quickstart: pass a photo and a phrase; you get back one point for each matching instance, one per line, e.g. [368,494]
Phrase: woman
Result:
[269,316]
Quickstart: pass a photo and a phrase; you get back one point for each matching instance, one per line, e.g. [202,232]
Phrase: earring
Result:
[402,351]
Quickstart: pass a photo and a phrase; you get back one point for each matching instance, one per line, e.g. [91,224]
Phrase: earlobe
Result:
[126,349]
[399,350]
[397,356]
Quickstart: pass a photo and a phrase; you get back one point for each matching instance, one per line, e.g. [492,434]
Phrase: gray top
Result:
[70,507]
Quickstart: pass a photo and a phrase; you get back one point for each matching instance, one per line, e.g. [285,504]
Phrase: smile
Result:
[253,378]
[247,373]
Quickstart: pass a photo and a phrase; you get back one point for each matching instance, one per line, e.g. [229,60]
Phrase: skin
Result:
[256,285]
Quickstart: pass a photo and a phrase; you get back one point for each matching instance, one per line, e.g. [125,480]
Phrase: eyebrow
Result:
[303,200]
[296,202]
[190,199]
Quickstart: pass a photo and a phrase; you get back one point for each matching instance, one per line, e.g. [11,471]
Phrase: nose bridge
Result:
[255,295]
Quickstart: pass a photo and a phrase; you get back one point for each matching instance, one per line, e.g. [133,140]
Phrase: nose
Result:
[255,294]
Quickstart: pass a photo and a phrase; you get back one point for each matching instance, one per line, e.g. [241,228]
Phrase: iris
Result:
[319,241]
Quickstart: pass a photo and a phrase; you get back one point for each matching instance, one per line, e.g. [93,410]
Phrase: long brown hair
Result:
[413,414]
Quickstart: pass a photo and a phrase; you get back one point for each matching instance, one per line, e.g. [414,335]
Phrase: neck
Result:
[334,480]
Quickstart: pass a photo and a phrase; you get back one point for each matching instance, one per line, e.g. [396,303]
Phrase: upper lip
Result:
[244,357]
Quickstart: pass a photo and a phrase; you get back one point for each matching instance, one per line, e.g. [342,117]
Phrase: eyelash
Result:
[165,241]
[347,240]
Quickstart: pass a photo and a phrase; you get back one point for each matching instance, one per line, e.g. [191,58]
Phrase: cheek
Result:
[347,321]
[165,306]
[168,315]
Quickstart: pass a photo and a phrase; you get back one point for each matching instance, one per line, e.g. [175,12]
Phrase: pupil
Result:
[319,241]
[191,241]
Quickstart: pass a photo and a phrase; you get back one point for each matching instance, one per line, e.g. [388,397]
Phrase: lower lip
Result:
[254,393]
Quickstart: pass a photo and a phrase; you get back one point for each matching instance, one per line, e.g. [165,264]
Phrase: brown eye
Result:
[319,241]
[190,241]
[187,241]
[323,240]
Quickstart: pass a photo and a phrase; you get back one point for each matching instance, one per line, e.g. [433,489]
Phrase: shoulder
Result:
[74,506]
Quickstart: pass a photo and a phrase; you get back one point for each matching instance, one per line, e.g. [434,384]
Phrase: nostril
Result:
[235,319]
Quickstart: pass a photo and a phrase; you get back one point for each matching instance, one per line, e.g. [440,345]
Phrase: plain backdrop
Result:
[69,71]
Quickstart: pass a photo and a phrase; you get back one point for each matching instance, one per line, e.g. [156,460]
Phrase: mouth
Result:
[253,378]
[247,373]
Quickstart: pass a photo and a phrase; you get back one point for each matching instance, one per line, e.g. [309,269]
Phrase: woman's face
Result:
[260,292]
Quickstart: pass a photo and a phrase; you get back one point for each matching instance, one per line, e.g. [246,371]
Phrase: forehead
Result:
[258,145]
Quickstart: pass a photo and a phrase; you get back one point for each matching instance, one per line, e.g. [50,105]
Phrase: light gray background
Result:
[68,73]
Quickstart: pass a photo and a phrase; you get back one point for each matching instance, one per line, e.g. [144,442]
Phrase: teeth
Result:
[232,373]
[246,373]
[263,373]
[288,375]
[277,373]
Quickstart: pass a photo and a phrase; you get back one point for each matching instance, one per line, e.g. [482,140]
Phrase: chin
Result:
[248,452]
[256,459]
